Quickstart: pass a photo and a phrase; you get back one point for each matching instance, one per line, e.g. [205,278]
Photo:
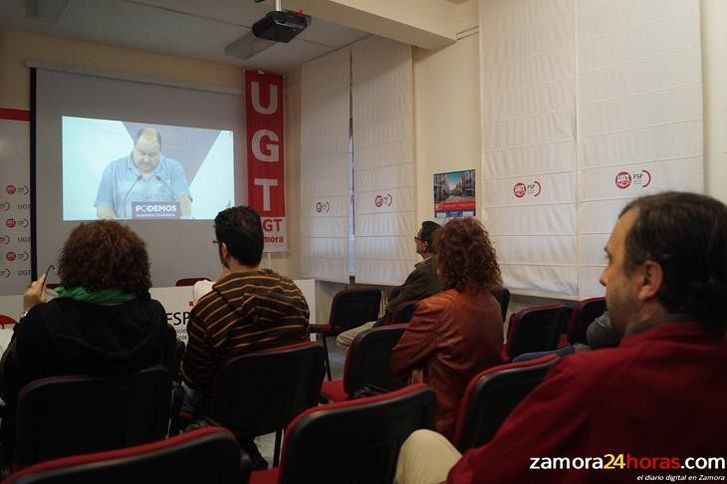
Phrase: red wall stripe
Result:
[16,114]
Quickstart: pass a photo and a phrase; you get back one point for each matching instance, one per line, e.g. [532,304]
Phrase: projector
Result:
[280,25]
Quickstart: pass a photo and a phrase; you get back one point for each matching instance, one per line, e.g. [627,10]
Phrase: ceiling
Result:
[187,28]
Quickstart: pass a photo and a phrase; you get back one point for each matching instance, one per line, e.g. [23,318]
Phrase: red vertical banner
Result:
[265,168]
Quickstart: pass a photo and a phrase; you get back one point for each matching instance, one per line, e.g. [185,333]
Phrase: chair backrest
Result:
[403,311]
[209,455]
[356,441]
[353,307]
[536,328]
[582,316]
[503,297]
[492,395]
[262,392]
[66,415]
[368,361]
[189,281]
[6,321]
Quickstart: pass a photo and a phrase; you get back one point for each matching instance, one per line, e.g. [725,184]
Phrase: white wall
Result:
[714,71]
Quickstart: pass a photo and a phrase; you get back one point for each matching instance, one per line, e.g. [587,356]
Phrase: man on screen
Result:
[142,176]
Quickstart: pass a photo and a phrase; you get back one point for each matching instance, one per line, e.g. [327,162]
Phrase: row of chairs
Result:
[550,326]
[356,441]
[351,441]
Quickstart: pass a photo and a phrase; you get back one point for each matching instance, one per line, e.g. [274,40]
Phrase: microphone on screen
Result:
[138,179]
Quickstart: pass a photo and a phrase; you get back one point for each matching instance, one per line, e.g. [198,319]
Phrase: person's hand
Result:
[35,294]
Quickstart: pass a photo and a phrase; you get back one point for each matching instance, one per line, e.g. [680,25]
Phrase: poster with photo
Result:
[454,194]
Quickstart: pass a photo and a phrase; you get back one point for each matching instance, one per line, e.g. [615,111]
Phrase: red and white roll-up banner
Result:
[15,245]
[266,176]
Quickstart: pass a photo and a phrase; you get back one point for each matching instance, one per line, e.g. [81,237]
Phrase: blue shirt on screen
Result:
[122,184]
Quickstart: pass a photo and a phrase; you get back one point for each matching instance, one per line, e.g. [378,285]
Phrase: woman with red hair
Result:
[457,333]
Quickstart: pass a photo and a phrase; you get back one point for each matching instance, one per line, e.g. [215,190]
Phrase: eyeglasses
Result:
[216,242]
[418,239]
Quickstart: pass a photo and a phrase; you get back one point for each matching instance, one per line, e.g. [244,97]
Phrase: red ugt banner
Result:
[266,176]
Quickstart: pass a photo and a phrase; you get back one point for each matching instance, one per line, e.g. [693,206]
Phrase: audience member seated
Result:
[247,310]
[659,395]
[420,283]
[600,334]
[104,321]
[457,333]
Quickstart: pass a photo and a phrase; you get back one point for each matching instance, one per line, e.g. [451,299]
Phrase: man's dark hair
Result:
[156,132]
[426,233]
[686,234]
[240,229]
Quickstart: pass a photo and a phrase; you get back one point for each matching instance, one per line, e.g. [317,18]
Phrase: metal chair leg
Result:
[278,441]
[328,361]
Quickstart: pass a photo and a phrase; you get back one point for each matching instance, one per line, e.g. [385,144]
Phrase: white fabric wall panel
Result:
[558,156]
[325,112]
[546,220]
[536,249]
[539,190]
[539,280]
[384,181]
[682,139]
[586,104]
[529,131]
[640,112]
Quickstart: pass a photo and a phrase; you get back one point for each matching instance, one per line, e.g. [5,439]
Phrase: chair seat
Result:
[333,391]
[269,476]
[321,328]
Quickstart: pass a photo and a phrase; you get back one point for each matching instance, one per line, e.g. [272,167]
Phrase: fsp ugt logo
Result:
[625,179]
[521,189]
[383,200]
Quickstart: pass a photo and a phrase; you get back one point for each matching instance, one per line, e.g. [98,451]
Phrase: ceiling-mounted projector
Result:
[276,26]
[280,25]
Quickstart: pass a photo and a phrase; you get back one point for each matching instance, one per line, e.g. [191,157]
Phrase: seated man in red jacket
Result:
[652,406]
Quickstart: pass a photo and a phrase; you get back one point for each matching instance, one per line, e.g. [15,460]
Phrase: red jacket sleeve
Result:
[419,340]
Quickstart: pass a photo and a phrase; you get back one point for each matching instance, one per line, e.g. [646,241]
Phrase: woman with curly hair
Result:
[104,321]
[457,333]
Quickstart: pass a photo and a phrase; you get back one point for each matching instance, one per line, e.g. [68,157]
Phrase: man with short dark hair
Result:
[247,310]
[420,283]
[643,407]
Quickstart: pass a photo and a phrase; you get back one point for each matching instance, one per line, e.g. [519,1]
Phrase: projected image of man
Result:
[142,176]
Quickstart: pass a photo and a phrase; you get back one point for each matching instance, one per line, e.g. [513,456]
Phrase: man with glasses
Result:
[248,309]
[142,176]
[422,282]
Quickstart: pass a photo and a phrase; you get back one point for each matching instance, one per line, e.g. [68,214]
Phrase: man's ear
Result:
[224,250]
[651,280]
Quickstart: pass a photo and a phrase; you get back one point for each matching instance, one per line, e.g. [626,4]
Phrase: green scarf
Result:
[103,296]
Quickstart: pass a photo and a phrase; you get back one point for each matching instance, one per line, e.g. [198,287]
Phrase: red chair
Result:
[491,396]
[582,316]
[350,308]
[536,328]
[503,297]
[208,455]
[368,364]
[356,441]
[189,281]
[260,393]
[6,321]
[66,415]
